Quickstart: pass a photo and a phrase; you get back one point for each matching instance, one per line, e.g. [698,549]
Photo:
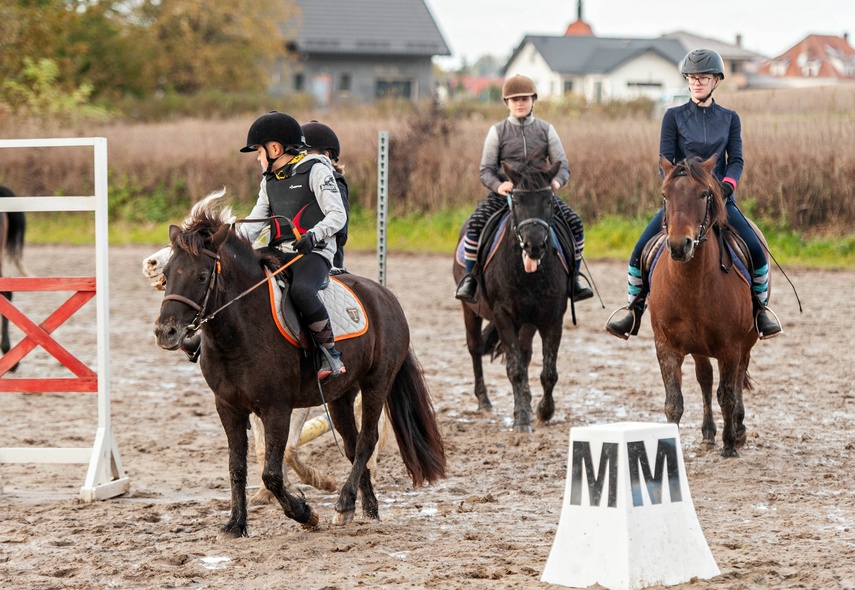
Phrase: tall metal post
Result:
[382,203]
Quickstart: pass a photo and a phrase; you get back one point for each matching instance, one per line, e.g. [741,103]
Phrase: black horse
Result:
[12,227]
[251,368]
[523,291]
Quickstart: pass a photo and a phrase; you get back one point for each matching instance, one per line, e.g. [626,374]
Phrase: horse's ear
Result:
[220,236]
[665,166]
[709,164]
[174,232]
[511,172]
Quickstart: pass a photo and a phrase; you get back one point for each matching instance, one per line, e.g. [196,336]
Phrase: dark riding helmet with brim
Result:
[275,126]
[321,137]
[702,61]
[519,85]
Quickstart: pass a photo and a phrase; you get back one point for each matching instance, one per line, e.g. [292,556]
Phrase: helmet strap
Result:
[708,96]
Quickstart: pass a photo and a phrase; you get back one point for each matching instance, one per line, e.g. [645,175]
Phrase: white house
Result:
[599,68]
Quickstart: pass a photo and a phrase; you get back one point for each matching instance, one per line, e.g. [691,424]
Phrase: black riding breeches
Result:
[308,275]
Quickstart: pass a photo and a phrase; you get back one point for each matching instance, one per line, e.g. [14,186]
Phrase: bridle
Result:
[702,232]
[201,317]
[518,226]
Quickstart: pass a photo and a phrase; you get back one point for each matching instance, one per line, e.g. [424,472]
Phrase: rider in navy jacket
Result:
[701,128]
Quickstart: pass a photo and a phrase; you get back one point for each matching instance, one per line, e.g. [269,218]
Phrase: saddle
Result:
[347,314]
[494,232]
[733,251]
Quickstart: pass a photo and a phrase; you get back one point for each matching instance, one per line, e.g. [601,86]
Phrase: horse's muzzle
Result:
[681,250]
[169,334]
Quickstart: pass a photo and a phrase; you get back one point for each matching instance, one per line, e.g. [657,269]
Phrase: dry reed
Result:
[800,165]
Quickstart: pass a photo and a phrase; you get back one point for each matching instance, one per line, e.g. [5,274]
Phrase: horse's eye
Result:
[203,278]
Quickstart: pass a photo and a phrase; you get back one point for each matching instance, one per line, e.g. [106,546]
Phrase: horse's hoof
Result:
[707,445]
[262,497]
[312,523]
[728,453]
[326,485]
[229,532]
[485,406]
[343,518]
[544,415]
[522,428]
[741,439]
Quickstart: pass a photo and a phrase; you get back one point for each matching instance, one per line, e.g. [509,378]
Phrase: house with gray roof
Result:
[739,63]
[355,51]
[599,68]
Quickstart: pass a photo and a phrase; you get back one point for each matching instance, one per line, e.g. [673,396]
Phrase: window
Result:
[568,86]
[344,83]
[299,82]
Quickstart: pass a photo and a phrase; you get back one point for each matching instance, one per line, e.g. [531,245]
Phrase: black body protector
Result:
[289,194]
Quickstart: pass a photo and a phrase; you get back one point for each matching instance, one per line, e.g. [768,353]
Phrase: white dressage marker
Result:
[627,520]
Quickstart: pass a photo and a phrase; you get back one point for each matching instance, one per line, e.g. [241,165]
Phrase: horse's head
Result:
[693,204]
[191,273]
[531,210]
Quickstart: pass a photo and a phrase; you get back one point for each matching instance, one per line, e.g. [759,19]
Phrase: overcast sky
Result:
[473,28]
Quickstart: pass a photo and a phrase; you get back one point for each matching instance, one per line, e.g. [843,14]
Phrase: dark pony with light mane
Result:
[251,368]
[523,291]
[700,305]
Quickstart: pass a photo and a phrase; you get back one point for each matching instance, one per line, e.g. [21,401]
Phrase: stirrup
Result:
[332,371]
[465,297]
[586,292]
[636,322]
[777,319]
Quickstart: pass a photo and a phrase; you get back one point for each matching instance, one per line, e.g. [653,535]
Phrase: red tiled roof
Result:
[814,57]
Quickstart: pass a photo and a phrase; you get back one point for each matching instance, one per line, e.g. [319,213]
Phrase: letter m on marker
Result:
[666,452]
[608,460]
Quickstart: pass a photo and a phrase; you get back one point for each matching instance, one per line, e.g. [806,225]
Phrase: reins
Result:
[201,318]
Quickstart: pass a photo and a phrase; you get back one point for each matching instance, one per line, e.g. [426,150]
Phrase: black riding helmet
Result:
[702,61]
[321,137]
[275,126]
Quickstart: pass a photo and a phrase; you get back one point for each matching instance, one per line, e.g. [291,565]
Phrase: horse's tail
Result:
[413,420]
[492,343]
[747,383]
[15,234]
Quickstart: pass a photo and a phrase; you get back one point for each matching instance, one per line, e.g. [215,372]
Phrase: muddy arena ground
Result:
[779,516]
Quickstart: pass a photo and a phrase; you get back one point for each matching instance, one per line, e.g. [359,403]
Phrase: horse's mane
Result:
[692,168]
[532,179]
[205,218]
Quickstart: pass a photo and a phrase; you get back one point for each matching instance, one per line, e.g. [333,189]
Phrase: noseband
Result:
[200,309]
[518,226]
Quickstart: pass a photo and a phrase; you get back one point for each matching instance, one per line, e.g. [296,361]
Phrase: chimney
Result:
[579,10]
[738,40]
[845,37]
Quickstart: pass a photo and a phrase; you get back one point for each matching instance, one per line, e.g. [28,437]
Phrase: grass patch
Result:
[613,237]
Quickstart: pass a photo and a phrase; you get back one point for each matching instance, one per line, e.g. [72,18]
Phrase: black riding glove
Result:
[306,244]
[726,190]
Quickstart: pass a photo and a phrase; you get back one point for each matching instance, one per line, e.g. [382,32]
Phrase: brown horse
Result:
[523,292]
[251,369]
[697,307]
[12,227]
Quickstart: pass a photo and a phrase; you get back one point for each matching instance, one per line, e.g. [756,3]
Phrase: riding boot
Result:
[468,285]
[331,364]
[765,321]
[192,347]
[580,289]
[626,324]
